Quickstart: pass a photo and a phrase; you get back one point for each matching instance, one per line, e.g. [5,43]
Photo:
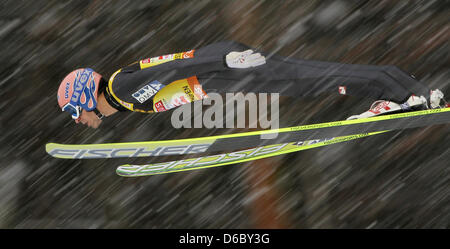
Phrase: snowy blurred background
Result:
[395,180]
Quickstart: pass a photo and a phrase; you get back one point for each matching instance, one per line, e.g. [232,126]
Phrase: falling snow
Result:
[398,179]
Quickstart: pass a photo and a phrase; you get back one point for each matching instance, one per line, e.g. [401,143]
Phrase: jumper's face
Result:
[89,118]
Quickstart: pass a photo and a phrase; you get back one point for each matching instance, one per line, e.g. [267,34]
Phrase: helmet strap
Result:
[98,113]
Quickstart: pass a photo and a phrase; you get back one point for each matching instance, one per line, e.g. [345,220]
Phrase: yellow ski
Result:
[251,139]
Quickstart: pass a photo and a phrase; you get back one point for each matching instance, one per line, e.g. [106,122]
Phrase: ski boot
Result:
[382,107]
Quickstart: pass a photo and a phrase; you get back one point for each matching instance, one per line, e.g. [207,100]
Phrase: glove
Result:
[244,59]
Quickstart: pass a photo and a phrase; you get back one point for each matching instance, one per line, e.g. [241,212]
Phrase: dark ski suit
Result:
[287,76]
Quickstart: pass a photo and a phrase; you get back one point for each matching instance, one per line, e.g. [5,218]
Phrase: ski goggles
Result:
[75,111]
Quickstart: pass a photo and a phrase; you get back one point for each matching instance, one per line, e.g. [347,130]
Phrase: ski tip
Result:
[57,151]
[124,170]
[49,147]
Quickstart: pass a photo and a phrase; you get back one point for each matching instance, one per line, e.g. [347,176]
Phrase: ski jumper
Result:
[164,82]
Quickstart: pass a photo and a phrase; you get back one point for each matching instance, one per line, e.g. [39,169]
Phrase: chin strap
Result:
[98,113]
